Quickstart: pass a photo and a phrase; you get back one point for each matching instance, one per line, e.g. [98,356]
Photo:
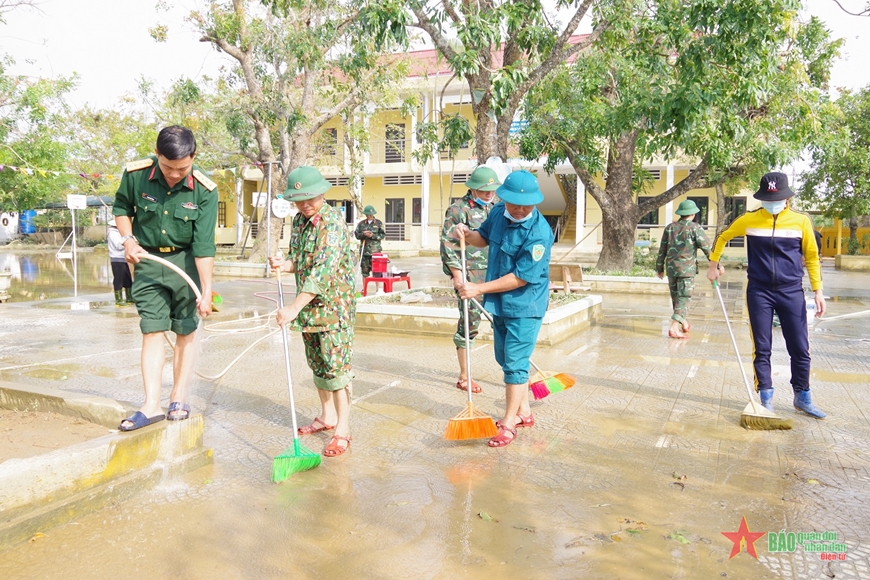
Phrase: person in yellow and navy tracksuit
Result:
[778,242]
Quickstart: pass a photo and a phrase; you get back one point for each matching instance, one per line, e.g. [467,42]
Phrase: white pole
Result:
[268,213]
[74,259]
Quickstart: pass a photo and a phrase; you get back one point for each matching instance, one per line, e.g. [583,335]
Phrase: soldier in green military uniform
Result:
[167,207]
[324,310]
[471,210]
[370,231]
[677,257]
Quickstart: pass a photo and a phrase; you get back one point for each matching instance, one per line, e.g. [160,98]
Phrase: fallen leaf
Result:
[679,483]
[486,517]
[206,481]
[526,529]
[36,536]
[813,481]
[678,536]
[615,537]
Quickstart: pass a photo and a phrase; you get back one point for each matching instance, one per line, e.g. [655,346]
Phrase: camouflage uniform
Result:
[372,244]
[321,249]
[465,211]
[680,242]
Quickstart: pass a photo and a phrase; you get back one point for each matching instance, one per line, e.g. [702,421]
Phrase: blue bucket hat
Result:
[520,188]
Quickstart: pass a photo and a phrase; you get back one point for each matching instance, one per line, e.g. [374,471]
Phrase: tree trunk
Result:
[853,246]
[721,218]
[620,213]
[617,237]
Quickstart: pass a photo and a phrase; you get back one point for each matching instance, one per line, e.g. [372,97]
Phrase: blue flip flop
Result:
[182,411]
[139,420]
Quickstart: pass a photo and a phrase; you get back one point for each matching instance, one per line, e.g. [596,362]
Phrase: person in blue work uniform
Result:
[516,291]
[167,207]
[779,241]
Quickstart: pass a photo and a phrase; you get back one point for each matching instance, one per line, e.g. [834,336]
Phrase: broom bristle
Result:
[757,423]
[470,424]
[293,460]
[549,385]
[539,390]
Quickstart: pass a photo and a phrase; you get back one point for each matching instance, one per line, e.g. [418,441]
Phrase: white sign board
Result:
[280,207]
[76,201]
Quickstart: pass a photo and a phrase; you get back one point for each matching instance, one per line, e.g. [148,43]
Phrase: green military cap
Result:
[687,207]
[305,183]
[369,210]
[483,179]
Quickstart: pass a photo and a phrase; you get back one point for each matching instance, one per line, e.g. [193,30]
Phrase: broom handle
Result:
[489,317]
[734,344]
[287,356]
[465,320]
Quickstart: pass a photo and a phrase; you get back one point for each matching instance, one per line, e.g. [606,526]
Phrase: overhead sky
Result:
[107,43]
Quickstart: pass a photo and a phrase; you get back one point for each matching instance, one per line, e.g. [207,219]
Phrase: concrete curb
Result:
[38,493]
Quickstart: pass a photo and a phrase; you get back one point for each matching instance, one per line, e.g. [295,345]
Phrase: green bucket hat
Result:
[369,210]
[483,179]
[305,183]
[687,207]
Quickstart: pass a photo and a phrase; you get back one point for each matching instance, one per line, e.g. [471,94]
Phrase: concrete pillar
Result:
[424,188]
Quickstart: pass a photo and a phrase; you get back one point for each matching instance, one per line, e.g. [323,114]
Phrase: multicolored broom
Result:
[295,458]
[470,423]
[547,383]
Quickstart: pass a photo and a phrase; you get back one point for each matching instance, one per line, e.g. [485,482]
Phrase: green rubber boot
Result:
[128,296]
[119,302]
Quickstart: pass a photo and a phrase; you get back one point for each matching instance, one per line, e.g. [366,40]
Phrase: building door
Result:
[734,208]
[394,219]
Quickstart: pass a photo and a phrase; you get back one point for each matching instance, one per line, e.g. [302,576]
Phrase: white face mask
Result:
[515,220]
[481,202]
[773,207]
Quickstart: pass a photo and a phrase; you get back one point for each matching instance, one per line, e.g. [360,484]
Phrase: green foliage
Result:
[838,181]
[33,138]
[735,85]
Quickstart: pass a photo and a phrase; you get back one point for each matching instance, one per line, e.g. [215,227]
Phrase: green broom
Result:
[298,457]
[470,423]
[754,416]
[548,383]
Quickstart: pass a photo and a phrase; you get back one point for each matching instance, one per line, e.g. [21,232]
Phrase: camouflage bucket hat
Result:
[305,183]
[687,207]
[483,179]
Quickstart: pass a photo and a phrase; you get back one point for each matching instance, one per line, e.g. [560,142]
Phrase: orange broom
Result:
[470,423]
[547,383]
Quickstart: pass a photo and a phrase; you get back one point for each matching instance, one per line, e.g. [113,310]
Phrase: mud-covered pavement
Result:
[633,473]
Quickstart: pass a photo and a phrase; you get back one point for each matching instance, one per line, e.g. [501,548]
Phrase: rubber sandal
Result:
[313,428]
[528,421]
[463,386]
[502,440]
[182,412]
[334,449]
[139,420]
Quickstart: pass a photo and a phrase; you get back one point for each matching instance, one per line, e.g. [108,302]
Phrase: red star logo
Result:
[743,537]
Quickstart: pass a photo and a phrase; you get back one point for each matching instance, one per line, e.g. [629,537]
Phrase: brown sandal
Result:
[313,428]
[463,386]
[334,449]
[502,440]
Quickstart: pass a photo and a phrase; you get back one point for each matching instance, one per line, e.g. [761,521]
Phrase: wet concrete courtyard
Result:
[633,473]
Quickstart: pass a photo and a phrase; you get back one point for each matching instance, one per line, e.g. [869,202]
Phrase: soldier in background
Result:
[324,309]
[677,257]
[370,231]
[472,211]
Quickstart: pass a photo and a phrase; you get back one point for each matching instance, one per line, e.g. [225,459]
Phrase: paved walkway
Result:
[633,473]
